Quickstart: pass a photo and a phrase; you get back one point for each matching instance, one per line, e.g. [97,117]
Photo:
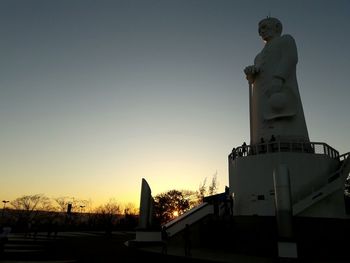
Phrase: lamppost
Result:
[81,208]
[3,209]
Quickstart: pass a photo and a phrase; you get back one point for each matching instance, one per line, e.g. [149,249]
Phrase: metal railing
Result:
[285,146]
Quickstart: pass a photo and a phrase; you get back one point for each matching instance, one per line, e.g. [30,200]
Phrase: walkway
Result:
[207,255]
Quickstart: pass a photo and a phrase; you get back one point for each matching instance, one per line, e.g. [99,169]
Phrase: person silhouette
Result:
[244,149]
[272,143]
[262,142]
[165,237]
[233,154]
[187,240]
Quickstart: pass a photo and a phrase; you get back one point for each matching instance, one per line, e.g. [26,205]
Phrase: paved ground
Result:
[80,247]
[67,247]
[96,247]
[207,255]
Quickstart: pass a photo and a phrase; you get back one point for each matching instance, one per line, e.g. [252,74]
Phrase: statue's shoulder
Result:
[286,41]
[286,37]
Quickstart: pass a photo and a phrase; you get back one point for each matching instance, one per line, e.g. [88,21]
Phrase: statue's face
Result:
[268,30]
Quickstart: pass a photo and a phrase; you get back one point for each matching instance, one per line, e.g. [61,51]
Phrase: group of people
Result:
[242,151]
[263,146]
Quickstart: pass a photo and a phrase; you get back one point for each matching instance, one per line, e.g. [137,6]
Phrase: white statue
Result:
[276,108]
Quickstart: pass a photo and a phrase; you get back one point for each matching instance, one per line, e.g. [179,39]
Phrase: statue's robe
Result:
[277,112]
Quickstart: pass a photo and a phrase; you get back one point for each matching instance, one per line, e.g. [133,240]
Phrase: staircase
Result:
[190,217]
[334,182]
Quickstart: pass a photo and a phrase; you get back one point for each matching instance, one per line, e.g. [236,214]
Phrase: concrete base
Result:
[148,236]
[308,173]
[145,239]
[287,249]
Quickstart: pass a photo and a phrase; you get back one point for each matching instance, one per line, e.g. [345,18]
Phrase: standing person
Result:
[272,143]
[276,104]
[244,149]
[187,240]
[165,237]
[233,154]
[3,238]
[262,142]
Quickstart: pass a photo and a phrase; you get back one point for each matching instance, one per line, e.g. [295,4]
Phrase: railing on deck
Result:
[344,156]
[284,146]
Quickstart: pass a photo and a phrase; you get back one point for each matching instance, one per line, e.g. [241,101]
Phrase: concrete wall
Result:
[251,179]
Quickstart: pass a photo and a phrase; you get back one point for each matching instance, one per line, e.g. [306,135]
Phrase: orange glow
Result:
[176,213]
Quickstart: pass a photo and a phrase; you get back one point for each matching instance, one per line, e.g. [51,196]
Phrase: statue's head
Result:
[269,28]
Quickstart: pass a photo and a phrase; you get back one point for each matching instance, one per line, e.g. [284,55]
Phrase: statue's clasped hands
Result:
[251,72]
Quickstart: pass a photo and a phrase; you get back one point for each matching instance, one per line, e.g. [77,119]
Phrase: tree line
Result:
[33,213]
[39,211]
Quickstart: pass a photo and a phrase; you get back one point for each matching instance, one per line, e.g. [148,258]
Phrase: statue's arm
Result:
[289,58]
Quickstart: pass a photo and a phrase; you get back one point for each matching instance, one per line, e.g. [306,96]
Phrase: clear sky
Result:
[96,95]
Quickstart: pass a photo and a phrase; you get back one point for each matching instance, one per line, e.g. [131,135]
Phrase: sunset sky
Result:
[96,95]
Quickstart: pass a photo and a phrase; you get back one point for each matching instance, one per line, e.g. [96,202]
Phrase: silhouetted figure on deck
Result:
[262,146]
[227,202]
[187,240]
[244,149]
[272,143]
[233,154]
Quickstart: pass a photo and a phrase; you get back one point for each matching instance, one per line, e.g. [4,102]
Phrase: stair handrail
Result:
[184,215]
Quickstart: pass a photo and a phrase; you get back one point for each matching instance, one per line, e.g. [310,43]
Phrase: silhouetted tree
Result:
[27,208]
[130,209]
[213,187]
[204,190]
[31,203]
[131,216]
[107,215]
[63,201]
[170,204]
